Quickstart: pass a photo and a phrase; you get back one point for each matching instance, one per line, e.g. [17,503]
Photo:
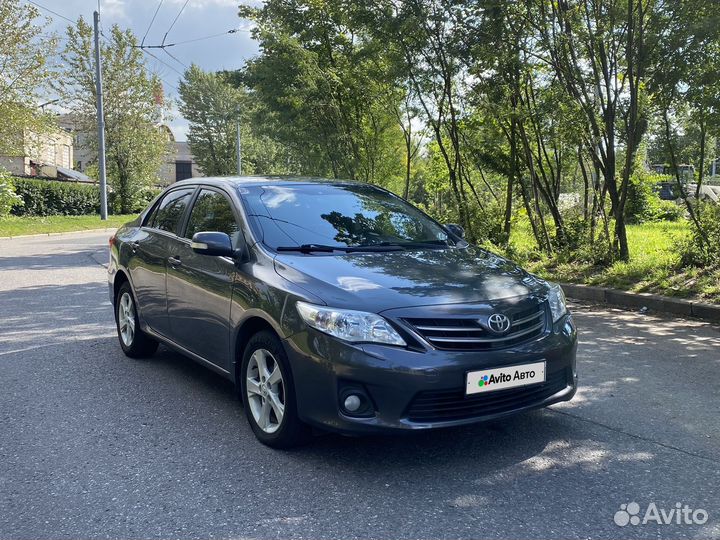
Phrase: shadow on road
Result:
[47,315]
[68,259]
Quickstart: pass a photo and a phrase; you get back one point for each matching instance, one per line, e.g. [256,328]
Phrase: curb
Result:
[106,229]
[654,302]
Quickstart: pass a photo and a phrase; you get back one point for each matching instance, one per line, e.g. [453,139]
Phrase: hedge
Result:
[53,198]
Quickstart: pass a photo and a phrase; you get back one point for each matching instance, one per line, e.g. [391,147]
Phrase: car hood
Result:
[376,282]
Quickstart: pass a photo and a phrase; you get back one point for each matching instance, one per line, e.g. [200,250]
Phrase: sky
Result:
[199,18]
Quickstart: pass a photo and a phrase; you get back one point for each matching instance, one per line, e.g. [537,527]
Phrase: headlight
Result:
[556,298]
[353,326]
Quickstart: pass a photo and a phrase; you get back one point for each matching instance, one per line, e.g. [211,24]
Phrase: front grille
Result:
[448,405]
[468,334]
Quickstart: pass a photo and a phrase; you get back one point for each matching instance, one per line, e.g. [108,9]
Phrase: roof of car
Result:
[261,180]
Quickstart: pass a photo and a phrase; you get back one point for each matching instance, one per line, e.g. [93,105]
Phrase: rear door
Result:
[151,249]
[199,287]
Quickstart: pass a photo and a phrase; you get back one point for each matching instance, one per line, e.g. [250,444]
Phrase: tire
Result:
[269,401]
[134,342]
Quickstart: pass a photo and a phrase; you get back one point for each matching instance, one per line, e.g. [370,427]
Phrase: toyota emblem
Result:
[499,323]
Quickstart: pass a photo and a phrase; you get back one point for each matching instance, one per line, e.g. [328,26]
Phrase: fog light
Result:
[352,403]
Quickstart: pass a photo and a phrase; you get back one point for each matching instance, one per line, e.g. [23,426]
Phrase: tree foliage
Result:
[213,108]
[136,144]
[326,90]
[539,107]
[24,73]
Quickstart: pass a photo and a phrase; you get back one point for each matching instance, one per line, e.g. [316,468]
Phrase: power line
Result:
[162,62]
[102,35]
[143,48]
[233,31]
[163,46]
[151,22]
[169,84]
[174,21]
[51,11]
[174,58]
[172,86]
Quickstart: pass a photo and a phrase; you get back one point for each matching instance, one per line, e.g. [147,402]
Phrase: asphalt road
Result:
[95,445]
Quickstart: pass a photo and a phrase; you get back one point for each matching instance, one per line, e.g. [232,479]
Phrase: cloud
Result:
[114,9]
[202,4]
[201,18]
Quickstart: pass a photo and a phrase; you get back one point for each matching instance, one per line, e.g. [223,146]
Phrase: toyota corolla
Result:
[338,306]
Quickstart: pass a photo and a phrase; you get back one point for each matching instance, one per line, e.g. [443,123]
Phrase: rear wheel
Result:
[268,393]
[134,342]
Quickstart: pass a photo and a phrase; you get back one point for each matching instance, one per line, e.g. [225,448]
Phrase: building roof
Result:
[75,175]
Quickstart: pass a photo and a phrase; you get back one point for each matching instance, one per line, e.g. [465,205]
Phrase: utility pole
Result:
[100,120]
[238,148]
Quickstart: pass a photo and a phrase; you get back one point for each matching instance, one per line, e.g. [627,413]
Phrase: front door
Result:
[151,248]
[199,287]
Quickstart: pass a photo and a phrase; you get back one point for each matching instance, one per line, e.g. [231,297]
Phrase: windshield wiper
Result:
[406,245]
[322,248]
[309,248]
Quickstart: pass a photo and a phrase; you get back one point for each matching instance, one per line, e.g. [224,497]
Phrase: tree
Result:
[213,108]
[522,101]
[325,89]
[423,38]
[686,91]
[136,143]
[24,72]
[213,104]
[600,52]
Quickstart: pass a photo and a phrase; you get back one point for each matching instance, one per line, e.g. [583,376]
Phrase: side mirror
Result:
[455,229]
[212,243]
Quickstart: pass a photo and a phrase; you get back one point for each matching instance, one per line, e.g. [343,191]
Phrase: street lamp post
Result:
[238,148]
[100,120]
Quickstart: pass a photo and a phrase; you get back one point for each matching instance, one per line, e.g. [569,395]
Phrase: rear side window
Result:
[212,212]
[168,213]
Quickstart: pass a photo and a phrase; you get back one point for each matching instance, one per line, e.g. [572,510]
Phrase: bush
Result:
[644,203]
[694,251]
[8,197]
[140,201]
[578,246]
[665,211]
[53,198]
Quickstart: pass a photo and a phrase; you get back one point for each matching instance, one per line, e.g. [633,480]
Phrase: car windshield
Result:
[341,216]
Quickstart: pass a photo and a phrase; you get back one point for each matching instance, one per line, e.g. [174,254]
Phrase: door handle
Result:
[174,261]
[134,246]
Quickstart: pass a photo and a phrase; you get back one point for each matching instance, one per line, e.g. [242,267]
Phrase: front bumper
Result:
[422,389]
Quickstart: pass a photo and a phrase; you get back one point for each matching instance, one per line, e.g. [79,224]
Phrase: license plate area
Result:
[502,378]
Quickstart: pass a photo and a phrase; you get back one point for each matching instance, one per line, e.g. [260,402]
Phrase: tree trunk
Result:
[701,174]
[408,161]
[528,209]
[704,240]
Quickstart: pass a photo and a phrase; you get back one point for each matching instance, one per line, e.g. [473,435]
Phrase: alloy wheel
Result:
[265,390]
[126,319]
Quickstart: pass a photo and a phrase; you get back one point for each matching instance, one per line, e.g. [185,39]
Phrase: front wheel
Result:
[134,342]
[269,395]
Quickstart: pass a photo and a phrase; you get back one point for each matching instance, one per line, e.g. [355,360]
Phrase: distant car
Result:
[337,305]
[666,191]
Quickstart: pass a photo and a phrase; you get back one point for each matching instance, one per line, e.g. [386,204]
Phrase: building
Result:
[46,154]
[179,163]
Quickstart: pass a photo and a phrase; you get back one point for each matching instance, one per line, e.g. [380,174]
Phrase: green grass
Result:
[17,226]
[654,264]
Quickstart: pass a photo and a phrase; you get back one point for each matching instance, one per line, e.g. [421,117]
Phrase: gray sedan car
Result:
[339,306]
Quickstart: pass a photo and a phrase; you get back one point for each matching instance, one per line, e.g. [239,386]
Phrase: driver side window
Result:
[167,213]
[213,212]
